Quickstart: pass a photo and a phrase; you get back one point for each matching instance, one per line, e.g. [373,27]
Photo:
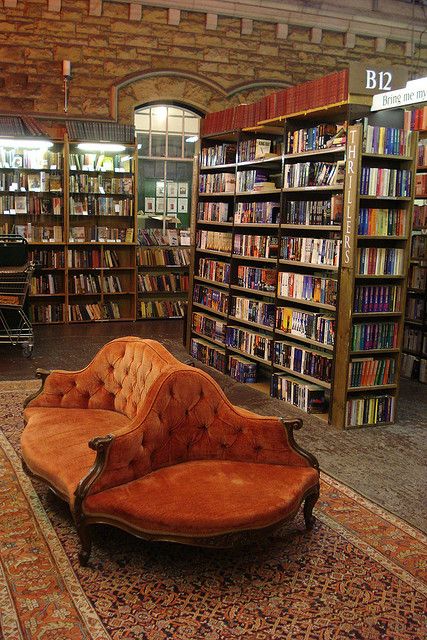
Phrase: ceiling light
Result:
[25,144]
[100,146]
[192,139]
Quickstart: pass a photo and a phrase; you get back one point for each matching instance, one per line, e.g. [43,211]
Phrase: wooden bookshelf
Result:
[313,221]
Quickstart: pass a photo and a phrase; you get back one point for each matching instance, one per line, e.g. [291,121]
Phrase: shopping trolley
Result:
[15,276]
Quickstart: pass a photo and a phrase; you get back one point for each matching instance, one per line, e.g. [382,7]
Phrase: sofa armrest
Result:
[187,418]
[67,389]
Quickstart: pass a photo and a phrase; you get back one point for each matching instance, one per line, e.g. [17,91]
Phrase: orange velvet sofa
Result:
[140,441]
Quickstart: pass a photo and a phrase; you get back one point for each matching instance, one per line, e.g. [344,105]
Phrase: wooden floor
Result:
[386,464]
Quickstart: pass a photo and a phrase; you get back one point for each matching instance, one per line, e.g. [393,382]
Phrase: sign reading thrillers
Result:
[350,195]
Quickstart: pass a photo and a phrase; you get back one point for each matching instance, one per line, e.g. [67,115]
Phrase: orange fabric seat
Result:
[227,496]
[143,442]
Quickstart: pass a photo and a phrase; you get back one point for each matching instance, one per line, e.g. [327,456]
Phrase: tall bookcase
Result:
[414,357]
[306,258]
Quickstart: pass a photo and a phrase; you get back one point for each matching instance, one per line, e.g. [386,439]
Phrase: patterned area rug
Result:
[360,574]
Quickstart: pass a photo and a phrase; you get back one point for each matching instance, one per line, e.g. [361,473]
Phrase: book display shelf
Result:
[302,250]
[163,259]
[414,358]
[74,201]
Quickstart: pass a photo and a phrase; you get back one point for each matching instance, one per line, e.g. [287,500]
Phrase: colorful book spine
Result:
[301,360]
[254,344]
[208,354]
[377,299]
[370,410]
[308,397]
[211,298]
[378,335]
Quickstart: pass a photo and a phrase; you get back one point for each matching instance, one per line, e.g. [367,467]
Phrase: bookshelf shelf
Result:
[212,282]
[303,376]
[217,194]
[215,223]
[339,242]
[217,253]
[249,163]
[218,167]
[209,310]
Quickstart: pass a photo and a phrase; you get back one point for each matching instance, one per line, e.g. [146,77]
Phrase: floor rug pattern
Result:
[360,574]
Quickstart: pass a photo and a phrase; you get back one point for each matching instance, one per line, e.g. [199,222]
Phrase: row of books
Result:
[160,309]
[321,212]
[420,215]
[374,335]
[208,354]
[386,140]
[312,288]
[47,259]
[41,181]
[254,344]
[330,89]
[313,251]
[218,154]
[417,277]
[416,119]
[96,131]
[257,278]
[368,372]
[46,313]
[308,397]
[258,148]
[88,283]
[91,258]
[257,180]
[105,206]
[242,370]
[210,327]
[163,257]
[21,126]
[210,298]
[252,310]
[413,340]
[89,312]
[370,410]
[301,360]
[255,246]
[82,183]
[380,261]
[100,162]
[213,240]
[422,154]
[419,247]
[306,324]
[421,185]
[46,284]
[214,270]
[100,234]
[382,222]
[377,299]
[313,174]
[31,204]
[313,138]
[39,233]
[30,159]
[257,212]
[217,183]
[168,237]
[171,282]
[415,308]
[384,182]
[213,211]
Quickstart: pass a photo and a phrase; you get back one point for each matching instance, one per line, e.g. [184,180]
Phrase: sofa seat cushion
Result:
[204,498]
[55,442]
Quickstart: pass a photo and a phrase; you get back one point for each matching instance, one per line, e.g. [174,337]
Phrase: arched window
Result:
[167,136]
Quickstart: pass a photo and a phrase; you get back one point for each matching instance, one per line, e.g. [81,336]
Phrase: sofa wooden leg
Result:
[309,503]
[86,544]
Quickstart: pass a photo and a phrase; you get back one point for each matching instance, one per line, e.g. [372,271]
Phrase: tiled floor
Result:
[386,464]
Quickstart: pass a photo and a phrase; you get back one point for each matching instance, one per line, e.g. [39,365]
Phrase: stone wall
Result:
[119,63]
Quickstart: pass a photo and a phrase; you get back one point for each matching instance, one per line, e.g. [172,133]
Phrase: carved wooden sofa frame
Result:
[154,447]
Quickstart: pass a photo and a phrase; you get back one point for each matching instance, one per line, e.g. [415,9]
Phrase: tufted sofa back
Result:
[189,418]
[119,376]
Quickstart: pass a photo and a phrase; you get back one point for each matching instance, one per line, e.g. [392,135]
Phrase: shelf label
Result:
[350,195]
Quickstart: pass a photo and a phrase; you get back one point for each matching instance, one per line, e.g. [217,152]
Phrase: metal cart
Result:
[15,327]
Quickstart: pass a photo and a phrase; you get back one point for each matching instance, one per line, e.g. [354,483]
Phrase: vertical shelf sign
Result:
[346,277]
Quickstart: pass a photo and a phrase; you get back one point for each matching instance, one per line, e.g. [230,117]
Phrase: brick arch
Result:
[167,86]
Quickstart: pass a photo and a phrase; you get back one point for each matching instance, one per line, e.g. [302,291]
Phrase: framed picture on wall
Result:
[172,189]
[150,204]
[160,188]
[160,205]
[172,205]
[182,205]
[183,189]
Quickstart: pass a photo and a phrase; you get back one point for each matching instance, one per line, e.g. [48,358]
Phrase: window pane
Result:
[158,144]
[143,140]
[174,146]
[189,149]
[175,111]
[175,124]
[158,118]
[191,125]
[142,121]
